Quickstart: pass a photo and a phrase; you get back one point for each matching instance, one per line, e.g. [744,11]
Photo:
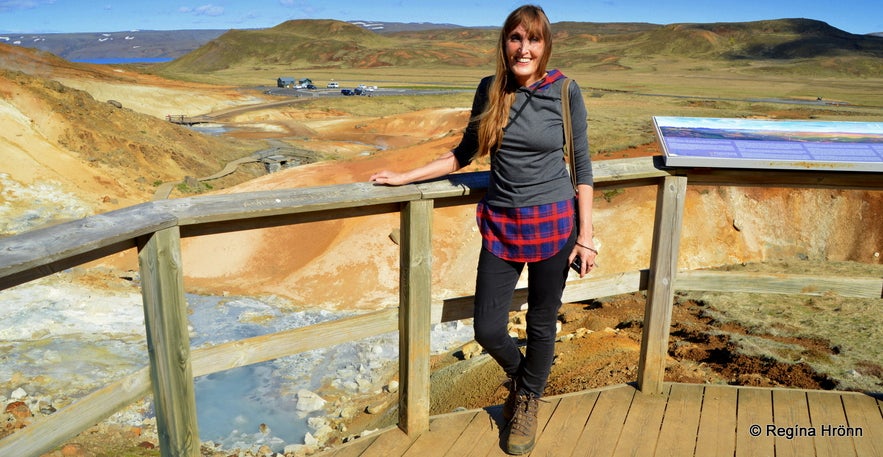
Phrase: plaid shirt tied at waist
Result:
[527,234]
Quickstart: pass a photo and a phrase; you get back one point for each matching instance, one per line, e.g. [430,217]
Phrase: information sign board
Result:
[771,144]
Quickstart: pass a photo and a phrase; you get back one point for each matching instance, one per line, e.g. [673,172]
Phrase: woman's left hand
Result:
[587,254]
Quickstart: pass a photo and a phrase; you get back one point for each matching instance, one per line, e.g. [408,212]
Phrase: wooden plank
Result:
[252,205]
[391,442]
[823,179]
[641,429]
[717,422]
[415,285]
[826,409]
[289,342]
[566,425]
[754,412]
[606,286]
[285,219]
[442,434]
[41,252]
[864,422]
[168,343]
[630,171]
[352,449]
[660,289]
[792,424]
[605,424]
[732,281]
[680,427]
[450,189]
[480,436]
[49,432]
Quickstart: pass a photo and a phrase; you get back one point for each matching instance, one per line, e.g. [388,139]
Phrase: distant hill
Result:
[151,44]
[775,39]
[138,44]
[366,44]
[335,44]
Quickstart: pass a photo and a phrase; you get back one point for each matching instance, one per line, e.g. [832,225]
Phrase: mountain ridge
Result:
[757,39]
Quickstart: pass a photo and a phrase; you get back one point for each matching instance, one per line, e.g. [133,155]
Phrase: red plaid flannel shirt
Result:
[527,234]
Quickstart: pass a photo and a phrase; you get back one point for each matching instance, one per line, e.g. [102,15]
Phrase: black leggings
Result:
[494,287]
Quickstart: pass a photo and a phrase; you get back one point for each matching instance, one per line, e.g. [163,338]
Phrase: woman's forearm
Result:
[444,165]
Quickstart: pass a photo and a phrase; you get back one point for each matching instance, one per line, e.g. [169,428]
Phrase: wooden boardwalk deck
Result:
[687,420]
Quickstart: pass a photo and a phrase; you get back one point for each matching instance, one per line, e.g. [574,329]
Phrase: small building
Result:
[285,82]
[305,82]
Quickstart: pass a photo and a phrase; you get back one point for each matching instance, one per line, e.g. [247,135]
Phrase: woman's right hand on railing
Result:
[389,177]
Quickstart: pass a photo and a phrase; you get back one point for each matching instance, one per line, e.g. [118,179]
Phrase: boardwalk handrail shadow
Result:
[156,228]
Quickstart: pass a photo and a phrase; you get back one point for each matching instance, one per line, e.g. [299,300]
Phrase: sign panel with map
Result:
[770,144]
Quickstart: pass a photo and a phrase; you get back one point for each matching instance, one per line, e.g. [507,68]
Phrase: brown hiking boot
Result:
[523,427]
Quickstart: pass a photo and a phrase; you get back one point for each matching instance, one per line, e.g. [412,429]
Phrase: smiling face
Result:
[524,54]
[525,46]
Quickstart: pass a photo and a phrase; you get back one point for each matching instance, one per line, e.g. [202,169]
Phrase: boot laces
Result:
[525,415]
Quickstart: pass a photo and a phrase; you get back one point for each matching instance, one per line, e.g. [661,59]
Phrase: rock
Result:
[470,350]
[309,401]
[316,423]
[18,394]
[115,103]
[323,433]
[19,410]
[392,387]
[518,331]
[73,450]
[377,408]
[292,449]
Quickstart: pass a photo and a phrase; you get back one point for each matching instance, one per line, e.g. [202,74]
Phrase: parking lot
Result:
[325,92]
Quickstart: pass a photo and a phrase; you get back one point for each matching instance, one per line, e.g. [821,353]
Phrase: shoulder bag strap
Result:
[568,130]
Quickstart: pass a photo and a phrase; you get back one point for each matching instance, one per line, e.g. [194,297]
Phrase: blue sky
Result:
[55,16]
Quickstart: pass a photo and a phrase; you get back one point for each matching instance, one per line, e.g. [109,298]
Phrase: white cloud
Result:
[204,10]
[209,10]
[16,5]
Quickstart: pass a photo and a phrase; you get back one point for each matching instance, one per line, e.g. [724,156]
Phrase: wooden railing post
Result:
[415,278]
[168,344]
[660,287]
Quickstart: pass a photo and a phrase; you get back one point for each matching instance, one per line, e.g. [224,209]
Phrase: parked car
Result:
[333,85]
[347,92]
[311,86]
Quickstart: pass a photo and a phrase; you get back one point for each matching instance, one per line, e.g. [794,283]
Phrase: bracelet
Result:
[584,246]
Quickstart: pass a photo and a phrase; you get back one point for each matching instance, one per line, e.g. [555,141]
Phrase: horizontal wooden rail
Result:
[791,284]
[48,250]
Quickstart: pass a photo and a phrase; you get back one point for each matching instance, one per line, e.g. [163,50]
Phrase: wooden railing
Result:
[156,228]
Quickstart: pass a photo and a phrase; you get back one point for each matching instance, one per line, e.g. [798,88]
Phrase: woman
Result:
[529,215]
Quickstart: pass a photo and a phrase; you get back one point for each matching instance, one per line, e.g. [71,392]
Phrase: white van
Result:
[333,85]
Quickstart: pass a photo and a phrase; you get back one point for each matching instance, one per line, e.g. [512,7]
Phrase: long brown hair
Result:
[501,94]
